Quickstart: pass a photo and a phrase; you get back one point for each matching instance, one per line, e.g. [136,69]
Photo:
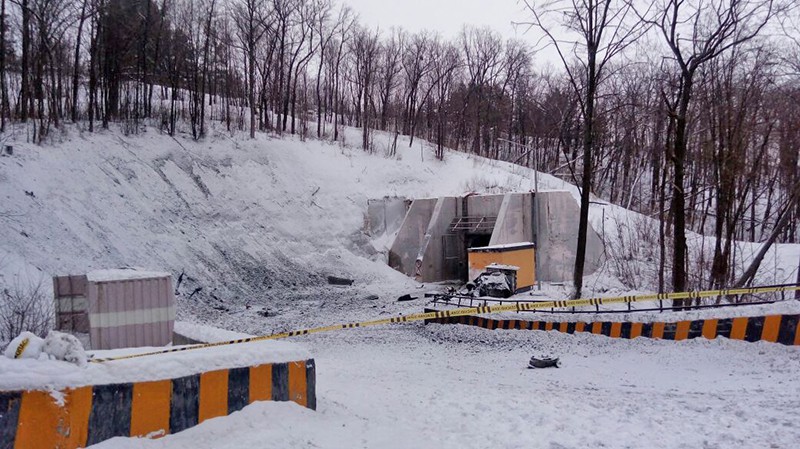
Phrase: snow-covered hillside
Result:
[256,225]
[250,227]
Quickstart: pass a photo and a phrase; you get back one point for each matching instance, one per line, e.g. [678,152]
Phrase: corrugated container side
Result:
[128,313]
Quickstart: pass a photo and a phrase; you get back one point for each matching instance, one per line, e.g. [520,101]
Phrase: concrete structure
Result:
[436,233]
[411,233]
[557,216]
[116,308]
[88,414]
[385,215]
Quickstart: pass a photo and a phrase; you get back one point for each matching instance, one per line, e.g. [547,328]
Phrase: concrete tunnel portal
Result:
[434,235]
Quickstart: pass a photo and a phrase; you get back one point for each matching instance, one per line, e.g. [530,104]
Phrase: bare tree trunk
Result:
[77,63]
[749,274]
[25,62]
[319,94]
[586,180]
[678,200]
[3,90]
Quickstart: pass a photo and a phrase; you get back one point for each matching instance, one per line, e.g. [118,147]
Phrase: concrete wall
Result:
[513,220]
[405,248]
[484,205]
[784,329]
[430,258]
[91,414]
[557,215]
[385,215]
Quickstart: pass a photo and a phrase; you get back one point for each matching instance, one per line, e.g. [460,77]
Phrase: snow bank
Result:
[205,333]
[462,388]
[24,346]
[29,374]
[123,274]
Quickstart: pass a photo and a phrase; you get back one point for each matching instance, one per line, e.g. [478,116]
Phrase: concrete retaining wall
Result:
[82,416]
[430,261]
[557,217]
[784,329]
[484,205]
[554,217]
[385,215]
[406,245]
[513,220]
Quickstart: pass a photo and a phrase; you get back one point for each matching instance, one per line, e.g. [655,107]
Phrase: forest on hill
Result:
[686,112]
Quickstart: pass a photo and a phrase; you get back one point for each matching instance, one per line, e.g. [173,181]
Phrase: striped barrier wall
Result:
[784,329]
[82,416]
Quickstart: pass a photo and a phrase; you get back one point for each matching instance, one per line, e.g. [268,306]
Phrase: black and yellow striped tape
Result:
[516,307]
[21,348]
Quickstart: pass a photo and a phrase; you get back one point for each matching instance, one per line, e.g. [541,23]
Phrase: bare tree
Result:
[447,61]
[389,68]
[365,51]
[249,17]
[696,34]
[602,30]
[482,52]
[24,307]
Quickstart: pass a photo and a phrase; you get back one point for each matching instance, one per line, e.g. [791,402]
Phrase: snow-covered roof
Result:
[123,274]
[503,246]
[498,266]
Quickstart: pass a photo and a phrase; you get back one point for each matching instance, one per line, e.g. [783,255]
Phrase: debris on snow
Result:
[26,345]
[543,362]
[335,280]
[66,347]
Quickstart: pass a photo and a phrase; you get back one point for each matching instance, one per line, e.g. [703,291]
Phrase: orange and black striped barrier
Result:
[91,414]
[784,329]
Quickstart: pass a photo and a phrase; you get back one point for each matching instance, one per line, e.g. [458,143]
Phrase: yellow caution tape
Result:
[21,348]
[516,307]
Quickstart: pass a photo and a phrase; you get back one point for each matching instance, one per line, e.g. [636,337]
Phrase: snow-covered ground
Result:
[252,228]
[442,386]
[43,373]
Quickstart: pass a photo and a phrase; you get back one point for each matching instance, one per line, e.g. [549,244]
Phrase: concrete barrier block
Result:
[75,417]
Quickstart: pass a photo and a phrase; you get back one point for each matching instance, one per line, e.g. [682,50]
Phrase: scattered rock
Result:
[334,280]
[197,290]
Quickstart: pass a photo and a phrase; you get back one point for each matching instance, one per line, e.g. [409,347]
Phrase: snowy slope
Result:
[255,226]
[459,387]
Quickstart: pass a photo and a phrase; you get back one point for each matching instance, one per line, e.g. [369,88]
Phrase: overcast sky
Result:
[449,16]
[445,16]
